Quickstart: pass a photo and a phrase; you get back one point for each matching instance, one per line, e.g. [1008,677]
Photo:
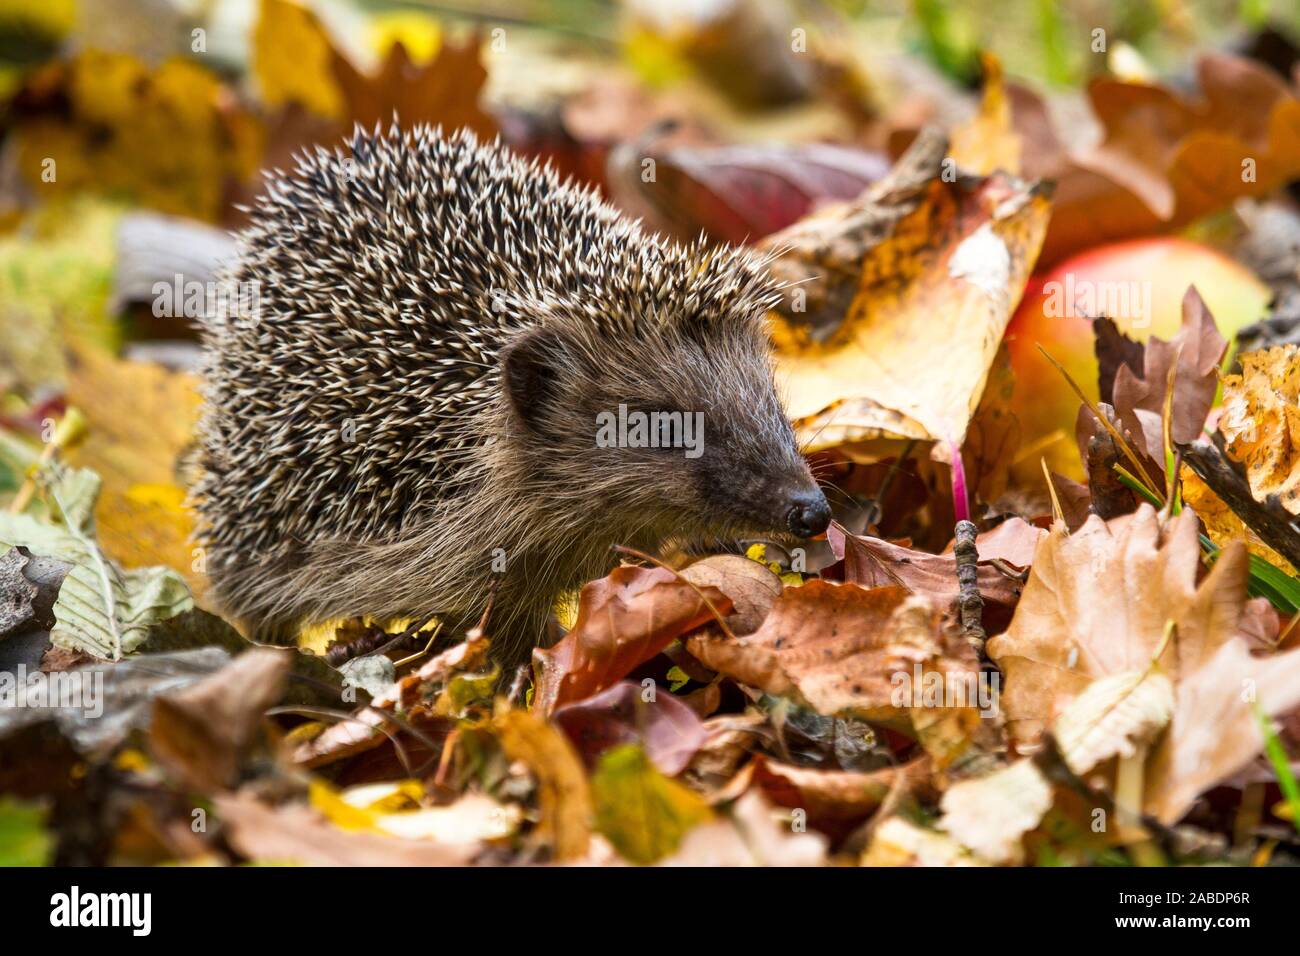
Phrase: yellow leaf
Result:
[642,813]
[170,138]
[1261,422]
[988,142]
[293,60]
[916,268]
[139,422]
[1221,522]
[564,796]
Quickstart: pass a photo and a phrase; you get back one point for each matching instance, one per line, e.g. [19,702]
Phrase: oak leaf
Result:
[1120,597]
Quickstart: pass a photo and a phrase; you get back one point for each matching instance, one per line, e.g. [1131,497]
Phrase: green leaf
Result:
[24,841]
[101,609]
[1277,756]
[639,810]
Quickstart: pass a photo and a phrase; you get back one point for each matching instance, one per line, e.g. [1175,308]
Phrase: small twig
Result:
[968,590]
[1268,518]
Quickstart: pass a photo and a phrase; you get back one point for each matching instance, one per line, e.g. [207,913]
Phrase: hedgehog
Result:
[404,419]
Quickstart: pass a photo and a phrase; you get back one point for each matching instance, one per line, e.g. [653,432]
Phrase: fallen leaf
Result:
[666,729]
[1100,602]
[1112,715]
[835,798]
[101,609]
[916,264]
[623,619]
[988,142]
[873,562]
[899,843]
[749,836]
[991,814]
[444,92]
[639,810]
[140,421]
[749,585]
[1261,422]
[199,733]
[565,798]
[878,653]
[1165,158]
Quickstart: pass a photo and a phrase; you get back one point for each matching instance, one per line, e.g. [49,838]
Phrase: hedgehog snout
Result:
[809,514]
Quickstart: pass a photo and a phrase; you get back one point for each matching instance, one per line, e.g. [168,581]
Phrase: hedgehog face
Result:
[681,428]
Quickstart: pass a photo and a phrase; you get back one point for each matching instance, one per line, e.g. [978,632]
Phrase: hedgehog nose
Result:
[809,513]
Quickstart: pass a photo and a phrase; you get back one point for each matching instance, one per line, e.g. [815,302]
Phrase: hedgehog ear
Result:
[531,365]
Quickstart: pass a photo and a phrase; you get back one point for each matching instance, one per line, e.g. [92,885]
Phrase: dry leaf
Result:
[443,92]
[899,843]
[1113,715]
[665,728]
[1165,159]
[835,798]
[140,420]
[987,142]
[1099,603]
[749,836]
[200,732]
[917,266]
[749,585]
[1261,422]
[873,562]
[991,814]
[565,799]
[623,619]
[876,653]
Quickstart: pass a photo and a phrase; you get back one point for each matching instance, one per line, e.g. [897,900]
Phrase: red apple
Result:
[1140,284]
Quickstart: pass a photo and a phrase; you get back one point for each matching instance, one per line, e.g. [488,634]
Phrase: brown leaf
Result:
[749,585]
[445,91]
[1193,355]
[873,563]
[1100,602]
[199,733]
[623,619]
[835,798]
[847,650]
[1165,159]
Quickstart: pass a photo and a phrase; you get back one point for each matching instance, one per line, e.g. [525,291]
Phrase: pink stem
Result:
[960,504]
